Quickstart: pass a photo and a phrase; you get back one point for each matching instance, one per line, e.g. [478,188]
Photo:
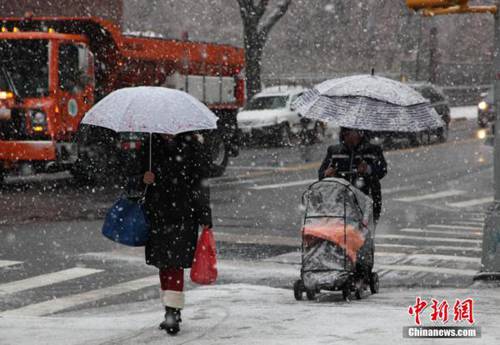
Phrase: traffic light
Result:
[428,4]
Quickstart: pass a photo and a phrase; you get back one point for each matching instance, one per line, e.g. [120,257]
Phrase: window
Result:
[268,102]
[25,67]
[73,67]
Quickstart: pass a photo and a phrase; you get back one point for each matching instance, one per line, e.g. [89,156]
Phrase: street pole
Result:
[490,262]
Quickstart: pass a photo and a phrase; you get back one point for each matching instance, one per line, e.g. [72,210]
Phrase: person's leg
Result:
[172,297]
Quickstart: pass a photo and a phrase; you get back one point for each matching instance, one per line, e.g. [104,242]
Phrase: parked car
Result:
[485,110]
[268,116]
[439,101]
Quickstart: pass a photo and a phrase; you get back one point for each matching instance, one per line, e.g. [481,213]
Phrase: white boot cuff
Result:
[173,299]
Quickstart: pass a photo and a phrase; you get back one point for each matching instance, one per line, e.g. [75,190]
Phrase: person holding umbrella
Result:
[177,202]
[358,104]
[359,162]
[171,176]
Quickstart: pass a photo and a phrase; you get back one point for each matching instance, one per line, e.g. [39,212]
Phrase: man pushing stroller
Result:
[358,161]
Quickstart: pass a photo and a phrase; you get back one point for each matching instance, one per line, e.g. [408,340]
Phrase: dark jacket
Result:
[178,202]
[346,161]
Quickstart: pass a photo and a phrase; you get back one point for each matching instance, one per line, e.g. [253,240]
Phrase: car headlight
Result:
[483,105]
[481,134]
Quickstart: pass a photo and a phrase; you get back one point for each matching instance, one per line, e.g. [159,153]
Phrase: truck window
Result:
[73,65]
[26,64]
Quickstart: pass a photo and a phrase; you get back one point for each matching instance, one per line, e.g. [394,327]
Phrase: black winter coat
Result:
[345,160]
[178,202]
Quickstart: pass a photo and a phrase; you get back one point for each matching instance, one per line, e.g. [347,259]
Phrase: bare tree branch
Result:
[245,9]
[261,8]
[273,17]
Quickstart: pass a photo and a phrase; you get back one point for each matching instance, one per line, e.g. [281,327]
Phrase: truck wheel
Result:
[219,156]
[2,177]
[99,165]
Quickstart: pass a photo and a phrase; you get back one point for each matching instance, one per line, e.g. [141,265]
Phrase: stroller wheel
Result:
[297,290]
[374,283]
[311,295]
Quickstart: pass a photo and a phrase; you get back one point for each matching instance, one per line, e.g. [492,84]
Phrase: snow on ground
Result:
[249,314]
[468,112]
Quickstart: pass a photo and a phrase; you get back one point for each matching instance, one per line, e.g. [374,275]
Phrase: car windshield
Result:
[25,62]
[267,102]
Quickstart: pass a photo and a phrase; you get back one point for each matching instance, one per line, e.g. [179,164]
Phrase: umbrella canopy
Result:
[369,102]
[151,109]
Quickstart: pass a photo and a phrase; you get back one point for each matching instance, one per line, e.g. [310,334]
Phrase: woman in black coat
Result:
[177,204]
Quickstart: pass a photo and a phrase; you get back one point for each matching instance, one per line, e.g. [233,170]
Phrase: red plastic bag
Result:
[204,270]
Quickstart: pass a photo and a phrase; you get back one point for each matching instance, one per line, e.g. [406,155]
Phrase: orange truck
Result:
[53,69]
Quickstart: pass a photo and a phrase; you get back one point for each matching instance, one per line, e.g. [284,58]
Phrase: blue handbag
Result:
[126,222]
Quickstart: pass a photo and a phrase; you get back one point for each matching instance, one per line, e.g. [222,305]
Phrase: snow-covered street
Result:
[247,314]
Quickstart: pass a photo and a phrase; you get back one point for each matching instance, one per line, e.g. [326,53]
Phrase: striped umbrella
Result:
[369,102]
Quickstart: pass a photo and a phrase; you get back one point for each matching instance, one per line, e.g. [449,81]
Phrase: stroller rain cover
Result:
[337,234]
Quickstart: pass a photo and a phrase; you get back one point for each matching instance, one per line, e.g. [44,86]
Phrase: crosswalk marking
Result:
[442,232]
[46,279]
[428,239]
[435,270]
[453,258]
[432,196]
[7,263]
[455,227]
[60,304]
[456,248]
[472,202]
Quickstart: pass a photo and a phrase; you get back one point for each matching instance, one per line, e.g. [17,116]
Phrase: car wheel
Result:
[219,156]
[414,139]
[442,134]
[284,135]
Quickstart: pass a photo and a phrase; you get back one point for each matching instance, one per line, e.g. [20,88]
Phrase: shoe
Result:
[172,320]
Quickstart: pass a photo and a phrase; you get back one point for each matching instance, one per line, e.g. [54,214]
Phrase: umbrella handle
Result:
[150,149]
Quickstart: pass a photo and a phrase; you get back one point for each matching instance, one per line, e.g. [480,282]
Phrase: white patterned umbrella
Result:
[151,109]
[369,102]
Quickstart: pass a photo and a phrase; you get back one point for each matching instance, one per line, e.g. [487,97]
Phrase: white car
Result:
[269,114]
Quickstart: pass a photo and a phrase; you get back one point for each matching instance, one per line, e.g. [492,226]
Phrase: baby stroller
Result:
[337,241]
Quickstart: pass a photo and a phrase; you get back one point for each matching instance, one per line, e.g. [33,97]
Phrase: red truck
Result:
[53,69]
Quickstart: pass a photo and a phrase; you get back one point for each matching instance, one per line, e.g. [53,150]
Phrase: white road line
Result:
[409,257]
[442,232]
[453,258]
[398,189]
[455,227]
[234,183]
[7,263]
[436,270]
[284,185]
[393,245]
[456,248]
[427,239]
[470,203]
[432,196]
[55,305]
[45,279]
[479,224]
